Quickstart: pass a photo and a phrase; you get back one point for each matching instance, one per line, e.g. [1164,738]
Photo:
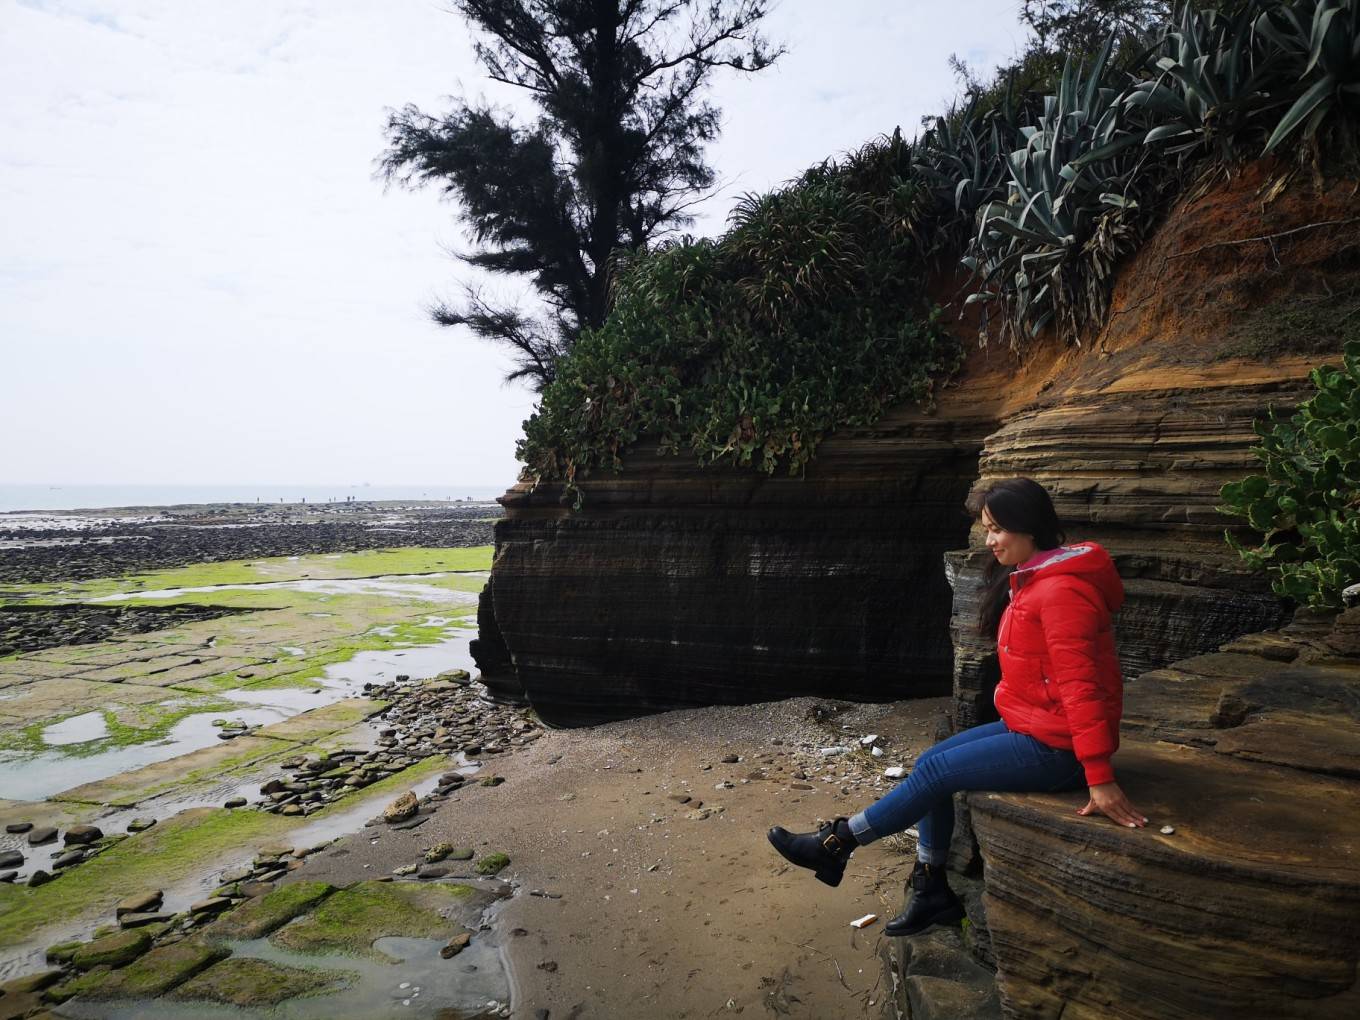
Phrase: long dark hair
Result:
[1023,506]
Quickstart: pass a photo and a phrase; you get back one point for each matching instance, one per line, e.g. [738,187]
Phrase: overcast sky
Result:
[201,282]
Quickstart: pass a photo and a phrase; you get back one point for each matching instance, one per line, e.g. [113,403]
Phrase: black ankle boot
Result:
[932,902]
[824,851]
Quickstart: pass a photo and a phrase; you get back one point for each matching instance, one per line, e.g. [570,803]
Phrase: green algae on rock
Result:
[258,917]
[491,864]
[155,973]
[256,983]
[351,920]
[112,950]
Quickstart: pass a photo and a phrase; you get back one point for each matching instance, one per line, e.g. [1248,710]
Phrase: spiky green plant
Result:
[1318,42]
[1209,92]
[1306,504]
[1050,247]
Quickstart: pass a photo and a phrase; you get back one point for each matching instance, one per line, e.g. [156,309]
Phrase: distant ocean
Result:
[82,497]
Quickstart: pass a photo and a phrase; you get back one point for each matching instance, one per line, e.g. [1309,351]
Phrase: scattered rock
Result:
[17,828]
[39,877]
[139,903]
[1168,830]
[68,858]
[730,759]
[455,945]
[140,824]
[41,834]
[832,752]
[492,864]
[11,858]
[83,834]
[432,871]
[437,853]
[141,920]
[234,802]
[212,905]
[493,781]
[401,809]
[894,772]
[252,889]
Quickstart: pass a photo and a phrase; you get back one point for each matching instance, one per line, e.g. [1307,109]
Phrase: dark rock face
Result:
[676,587]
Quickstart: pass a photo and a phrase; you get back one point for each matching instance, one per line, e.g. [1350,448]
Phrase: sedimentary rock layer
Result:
[1250,907]
[675,587]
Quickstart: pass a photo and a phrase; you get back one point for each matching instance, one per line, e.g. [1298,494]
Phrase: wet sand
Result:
[627,905]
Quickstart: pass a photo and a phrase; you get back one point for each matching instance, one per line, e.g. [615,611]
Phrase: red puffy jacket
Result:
[1060,676]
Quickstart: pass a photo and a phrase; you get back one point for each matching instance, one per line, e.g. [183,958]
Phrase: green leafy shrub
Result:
[806,316]
[1307,504]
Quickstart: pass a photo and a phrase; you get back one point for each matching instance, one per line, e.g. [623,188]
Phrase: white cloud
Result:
[201,282]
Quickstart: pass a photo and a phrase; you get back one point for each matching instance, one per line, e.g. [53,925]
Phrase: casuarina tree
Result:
[613,159]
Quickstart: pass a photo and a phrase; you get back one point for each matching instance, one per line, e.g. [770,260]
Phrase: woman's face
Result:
[1009,547]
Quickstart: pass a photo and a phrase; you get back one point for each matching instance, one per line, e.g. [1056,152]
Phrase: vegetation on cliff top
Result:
[808,314]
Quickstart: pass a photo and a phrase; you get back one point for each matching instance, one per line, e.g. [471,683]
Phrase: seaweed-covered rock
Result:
[112,950]
[253,984]
[264,914]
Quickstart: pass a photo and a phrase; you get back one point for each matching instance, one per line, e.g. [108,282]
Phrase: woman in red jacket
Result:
[1060,699]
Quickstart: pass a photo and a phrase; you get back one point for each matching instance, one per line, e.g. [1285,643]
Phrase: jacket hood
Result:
[1086,560]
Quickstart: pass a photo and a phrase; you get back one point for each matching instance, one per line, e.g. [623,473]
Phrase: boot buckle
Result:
[833,843]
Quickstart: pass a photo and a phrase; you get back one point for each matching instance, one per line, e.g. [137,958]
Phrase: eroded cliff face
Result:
[676,586]
[1250,905]
[1251,752]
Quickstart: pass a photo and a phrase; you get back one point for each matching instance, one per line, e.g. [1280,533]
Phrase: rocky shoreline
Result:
[76,545]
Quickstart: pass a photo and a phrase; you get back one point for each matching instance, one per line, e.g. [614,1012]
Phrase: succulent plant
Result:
[1306,503]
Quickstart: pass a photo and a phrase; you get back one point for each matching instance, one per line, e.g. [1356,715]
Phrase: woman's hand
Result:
[1108,799]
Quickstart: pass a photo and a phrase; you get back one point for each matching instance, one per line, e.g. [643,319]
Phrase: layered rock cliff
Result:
[1247,902]
[676,586]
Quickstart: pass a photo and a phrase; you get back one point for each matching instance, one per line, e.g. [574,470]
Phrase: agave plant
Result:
[1319,42]
[1207,89]
[962,160]
[1033,251]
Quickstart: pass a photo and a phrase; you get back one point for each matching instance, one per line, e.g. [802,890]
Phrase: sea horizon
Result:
[37,498]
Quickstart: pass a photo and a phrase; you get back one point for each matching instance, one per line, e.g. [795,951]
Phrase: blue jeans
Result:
[987,757]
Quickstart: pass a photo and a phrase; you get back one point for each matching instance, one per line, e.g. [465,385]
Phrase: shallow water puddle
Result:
[36,776]
[419,984]
[78,729]
[399,586]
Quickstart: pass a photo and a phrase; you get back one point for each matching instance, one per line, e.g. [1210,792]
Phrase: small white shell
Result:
[1168,830]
